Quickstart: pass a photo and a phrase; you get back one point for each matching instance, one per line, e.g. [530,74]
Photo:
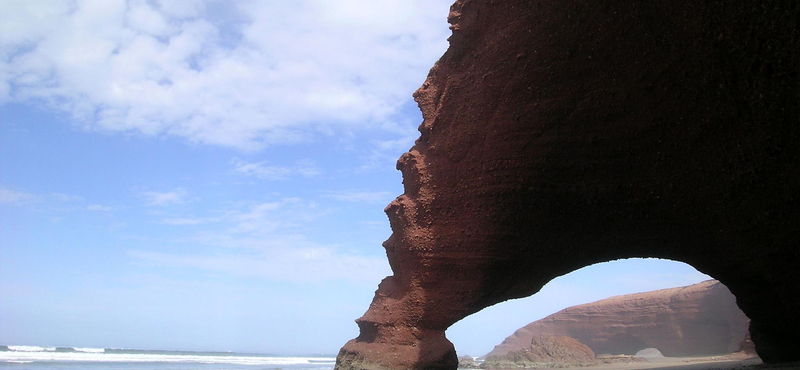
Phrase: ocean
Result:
[70,358]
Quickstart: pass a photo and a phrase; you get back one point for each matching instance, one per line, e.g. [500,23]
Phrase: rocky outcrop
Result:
[558,134]
[696,320]
[467,362]
[543,351]
[606,359]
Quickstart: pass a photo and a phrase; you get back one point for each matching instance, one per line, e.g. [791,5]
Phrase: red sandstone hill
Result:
[696,320]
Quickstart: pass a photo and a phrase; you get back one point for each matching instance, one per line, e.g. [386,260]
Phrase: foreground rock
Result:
[696,320]
[467,362]
[562,133]
[544,351]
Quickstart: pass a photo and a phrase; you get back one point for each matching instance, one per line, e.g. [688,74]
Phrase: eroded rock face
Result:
[543,350]
[696,320]
[467,362]
[559,134]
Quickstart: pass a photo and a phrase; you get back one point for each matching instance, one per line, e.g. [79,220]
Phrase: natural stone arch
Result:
[559,134]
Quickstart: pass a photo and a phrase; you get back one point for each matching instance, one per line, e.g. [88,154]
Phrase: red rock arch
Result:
[559,134]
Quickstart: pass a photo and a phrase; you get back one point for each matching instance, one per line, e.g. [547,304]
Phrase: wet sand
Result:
[698,363]
[695,363]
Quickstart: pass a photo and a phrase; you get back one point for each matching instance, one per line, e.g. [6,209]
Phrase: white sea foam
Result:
[28,356]
[89,350]
[31,349]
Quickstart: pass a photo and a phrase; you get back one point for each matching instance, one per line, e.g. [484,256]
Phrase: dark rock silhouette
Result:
[696,320]
[558,134]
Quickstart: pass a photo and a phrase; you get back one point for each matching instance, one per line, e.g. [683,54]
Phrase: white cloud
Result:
[370,197]
[8,196]
[157,199]
[250,219]
[297,264]
[263,170]
[266,240]
[291,71]
[181,8]
[384,153]
[269,217]
[98,208]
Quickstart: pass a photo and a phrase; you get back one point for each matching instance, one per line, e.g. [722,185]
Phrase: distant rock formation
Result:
[544,351]
[649,353]
[467,362]
[696,320]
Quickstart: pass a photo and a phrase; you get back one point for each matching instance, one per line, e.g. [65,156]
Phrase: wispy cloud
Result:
[265,240]
[8,196]
[383,154]
[291,263]
[263,170]
[291,70]
[159,199]
[98,208]
[252,219]
[370,197]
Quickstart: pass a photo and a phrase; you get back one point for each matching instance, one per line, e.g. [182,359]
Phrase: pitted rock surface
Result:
[558,134]
[544,350]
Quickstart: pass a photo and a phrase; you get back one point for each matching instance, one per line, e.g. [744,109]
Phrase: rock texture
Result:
[558,134]
[467,362]
[696,320]
[544,350]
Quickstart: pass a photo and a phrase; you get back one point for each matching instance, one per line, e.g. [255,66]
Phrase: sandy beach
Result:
[699,363]
[728,362]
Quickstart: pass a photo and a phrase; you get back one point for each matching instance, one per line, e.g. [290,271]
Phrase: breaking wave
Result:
[28,354]
[30,349]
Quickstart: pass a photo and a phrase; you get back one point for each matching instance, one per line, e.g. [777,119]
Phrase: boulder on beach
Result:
[544,351]
[649,353]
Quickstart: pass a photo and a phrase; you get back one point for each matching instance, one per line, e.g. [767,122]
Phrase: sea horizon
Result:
[26,357]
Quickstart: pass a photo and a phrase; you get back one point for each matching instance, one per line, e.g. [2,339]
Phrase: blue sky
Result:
[210,175]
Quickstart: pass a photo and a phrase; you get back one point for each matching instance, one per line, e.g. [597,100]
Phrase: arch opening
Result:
[701,319]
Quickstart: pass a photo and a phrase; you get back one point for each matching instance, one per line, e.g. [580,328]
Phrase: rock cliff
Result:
[697,320]
[558,134]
